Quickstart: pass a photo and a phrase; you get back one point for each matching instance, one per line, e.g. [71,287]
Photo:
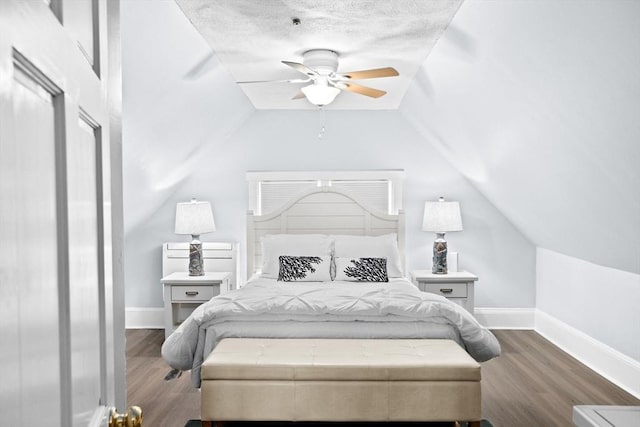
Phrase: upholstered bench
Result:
[339,380]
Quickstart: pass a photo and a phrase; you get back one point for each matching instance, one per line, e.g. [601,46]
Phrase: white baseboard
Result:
[144,318]
[618,368]
[506,318]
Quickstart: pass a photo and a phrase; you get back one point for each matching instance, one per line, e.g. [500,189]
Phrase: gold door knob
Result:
[133,417]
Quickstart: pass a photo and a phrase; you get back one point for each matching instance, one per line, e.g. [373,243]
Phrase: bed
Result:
[324,266]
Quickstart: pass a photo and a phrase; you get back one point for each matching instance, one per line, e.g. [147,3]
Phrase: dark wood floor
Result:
[532,384]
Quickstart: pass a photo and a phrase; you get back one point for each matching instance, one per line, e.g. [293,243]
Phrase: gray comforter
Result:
[265,308]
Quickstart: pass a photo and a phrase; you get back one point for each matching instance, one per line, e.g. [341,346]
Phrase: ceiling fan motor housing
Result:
[322,61]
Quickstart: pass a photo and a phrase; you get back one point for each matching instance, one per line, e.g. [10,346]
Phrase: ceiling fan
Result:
[320,68]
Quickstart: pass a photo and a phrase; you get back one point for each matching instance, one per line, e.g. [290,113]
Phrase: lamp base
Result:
[439,255]
[196,265]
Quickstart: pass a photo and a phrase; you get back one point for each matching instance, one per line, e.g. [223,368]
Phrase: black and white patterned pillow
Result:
[361,269]
[304,268]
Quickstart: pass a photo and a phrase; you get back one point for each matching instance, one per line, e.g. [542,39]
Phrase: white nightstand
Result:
[183,293]
[457,287]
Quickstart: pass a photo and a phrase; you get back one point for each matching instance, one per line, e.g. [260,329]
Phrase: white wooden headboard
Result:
[322,210]
[218,256]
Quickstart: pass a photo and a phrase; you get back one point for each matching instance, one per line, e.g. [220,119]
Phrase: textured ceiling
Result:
[251,37]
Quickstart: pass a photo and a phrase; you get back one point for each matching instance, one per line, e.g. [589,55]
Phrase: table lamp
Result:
[194,218]
[441,217]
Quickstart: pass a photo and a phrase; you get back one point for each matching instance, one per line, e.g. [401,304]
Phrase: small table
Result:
[183,293]
[606,416]
[455,286]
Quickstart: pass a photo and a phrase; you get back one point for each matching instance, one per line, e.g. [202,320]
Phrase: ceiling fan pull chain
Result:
[321,134]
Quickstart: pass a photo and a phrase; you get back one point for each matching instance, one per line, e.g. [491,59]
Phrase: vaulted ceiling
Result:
[535,102]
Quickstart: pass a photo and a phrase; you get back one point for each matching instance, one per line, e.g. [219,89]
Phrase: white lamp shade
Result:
[194,218]
[442,216]
[319,94]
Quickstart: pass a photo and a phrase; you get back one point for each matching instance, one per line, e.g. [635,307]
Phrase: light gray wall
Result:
[175,125]
[600,301]
[197,137]
[523,112]
[490,246]
[537,103]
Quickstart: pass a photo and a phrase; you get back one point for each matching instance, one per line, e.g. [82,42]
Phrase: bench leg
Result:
[474,423]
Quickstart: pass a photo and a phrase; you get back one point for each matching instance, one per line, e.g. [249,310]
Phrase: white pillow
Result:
[304,268]
[274,245]
[385,246]
[361,269]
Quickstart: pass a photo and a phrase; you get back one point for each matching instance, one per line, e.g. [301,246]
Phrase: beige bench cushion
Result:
[248,400]
[340,360]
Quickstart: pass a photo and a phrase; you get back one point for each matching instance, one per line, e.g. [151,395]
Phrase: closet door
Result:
[62,328]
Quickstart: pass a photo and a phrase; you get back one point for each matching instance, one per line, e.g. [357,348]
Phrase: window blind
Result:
[273,195]
[378,189]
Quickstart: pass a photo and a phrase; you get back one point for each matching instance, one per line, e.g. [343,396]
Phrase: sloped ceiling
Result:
[251,37]
[537,103]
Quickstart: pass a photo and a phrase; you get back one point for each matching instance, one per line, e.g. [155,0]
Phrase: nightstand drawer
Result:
[193,293]
[449,290]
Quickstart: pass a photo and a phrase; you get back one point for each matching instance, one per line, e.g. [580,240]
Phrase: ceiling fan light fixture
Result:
[320,95]
[320,67]
[323,61]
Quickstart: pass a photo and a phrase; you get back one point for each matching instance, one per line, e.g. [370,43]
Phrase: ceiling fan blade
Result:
[371,74]
[277,81]
[301,67]
[362,90]
[299,95]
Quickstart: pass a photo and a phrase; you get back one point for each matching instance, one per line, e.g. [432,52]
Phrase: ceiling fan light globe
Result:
[320,94]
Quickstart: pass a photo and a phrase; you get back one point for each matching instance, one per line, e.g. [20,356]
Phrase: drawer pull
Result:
[446,290]
[191,293]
